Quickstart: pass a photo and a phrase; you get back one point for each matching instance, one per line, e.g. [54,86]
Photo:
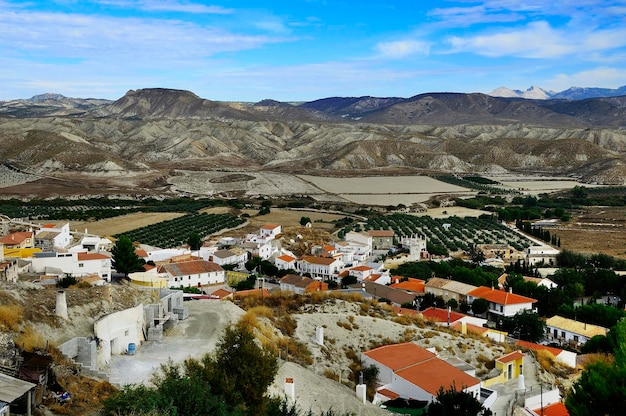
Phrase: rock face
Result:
[431,133]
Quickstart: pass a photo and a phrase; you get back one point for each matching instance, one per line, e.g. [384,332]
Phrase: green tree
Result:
[525,325]
[601,388]
[305,220]
[348,280]
[480,306]
[452,402]
[195,241]
[124,258]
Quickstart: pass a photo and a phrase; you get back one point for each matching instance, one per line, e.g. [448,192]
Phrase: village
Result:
[363,263]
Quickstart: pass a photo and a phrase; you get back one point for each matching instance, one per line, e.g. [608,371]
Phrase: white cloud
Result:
[602,77]
[166,6]
[402,48]
[540,40]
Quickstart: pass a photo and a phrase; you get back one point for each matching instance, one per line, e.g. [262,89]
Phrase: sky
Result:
[302,50]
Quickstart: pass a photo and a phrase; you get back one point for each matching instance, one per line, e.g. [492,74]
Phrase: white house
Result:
[501,303]
[569,331]
[361,244]
[541,254]
[93,243]
[285,262]
[193,273]
[319,267]
[361,272]
[48,237]
[409,371]
[270,231]
[224,257]
[74,264]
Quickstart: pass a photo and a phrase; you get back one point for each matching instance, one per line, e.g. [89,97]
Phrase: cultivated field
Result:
[117,225]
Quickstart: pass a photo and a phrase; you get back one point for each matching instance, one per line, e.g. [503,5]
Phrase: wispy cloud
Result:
[539,40]
[123,40]
[402,48]
[605,77]
[166,6]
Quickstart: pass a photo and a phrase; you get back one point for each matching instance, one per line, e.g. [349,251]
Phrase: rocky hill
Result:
[154,131]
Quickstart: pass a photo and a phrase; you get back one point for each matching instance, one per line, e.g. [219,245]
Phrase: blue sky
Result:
[297,50]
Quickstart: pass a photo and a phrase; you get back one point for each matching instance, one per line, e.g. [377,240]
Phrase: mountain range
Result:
[151,133]
[573,93]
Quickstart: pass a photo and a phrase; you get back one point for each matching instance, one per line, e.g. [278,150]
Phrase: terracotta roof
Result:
[373,277]
[361,268]
[441,315]
[396,296]
[141,252]
[326,261]
[92,256]
[539,347]
[576,327]
[147,267]
[510,357]
[399,356]
[388,393]
[500,297]
[291,279]
[381,233]
[413,285]
[190,267]
[286,258]
[16,238]
[433,374]
[270,226]
[329,248]
[220,293]
[555,409]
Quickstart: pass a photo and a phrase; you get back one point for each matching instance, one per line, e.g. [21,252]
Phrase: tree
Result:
[600,388]
[124,258]
[348,280]
[194,241]
[456,403]
[305,220]
[526,325]
[480,306]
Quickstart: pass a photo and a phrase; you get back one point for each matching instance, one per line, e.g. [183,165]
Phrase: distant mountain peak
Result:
[532,93]
[46,96]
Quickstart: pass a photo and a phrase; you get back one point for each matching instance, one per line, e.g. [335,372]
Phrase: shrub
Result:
[10,317]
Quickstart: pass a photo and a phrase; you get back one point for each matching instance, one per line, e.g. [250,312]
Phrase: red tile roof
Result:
[141,252]
[361,268]
[413,285]
[326,261]
[286,258]
[16,238]
[555,409]
[399,356]
[329,248]
[433,374]
[388,393]
[512,356]
[220,293]
[500,297]
[441,315]
[537,347]
[252,292]
[270,226]
[92,256]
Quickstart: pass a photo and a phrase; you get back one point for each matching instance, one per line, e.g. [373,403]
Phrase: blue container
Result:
[131,348]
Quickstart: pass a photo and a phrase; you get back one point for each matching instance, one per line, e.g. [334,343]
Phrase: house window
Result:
[126,333]
[81,264]
[563,334]
[576,338]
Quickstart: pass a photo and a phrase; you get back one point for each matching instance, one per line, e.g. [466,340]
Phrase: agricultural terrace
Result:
[175,232]
[460,235]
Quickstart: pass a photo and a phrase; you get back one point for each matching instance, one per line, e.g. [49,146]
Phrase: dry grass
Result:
[11,317]
[29,340]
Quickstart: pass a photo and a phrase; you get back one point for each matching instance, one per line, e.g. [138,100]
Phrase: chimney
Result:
[319,335]
[61,305]
[290,389]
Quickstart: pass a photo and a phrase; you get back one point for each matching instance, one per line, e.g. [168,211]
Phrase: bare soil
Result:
[595,230]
